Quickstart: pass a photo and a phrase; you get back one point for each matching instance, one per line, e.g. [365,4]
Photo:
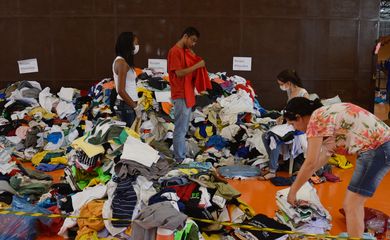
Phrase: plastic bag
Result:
[330,101]
[21,227]
[374,220]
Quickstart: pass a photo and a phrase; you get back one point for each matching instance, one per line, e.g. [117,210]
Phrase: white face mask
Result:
[283,88]
[136,49]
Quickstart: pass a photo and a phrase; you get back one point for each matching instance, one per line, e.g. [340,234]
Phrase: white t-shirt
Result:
[131,86]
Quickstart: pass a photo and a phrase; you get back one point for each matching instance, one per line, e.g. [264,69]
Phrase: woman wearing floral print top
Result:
[342,128]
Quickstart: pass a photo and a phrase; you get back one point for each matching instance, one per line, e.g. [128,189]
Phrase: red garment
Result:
[246,89]
[176,61]
[184,192]
[83,93]
[13,172]
[11,133]
[199,79]
[55,225]
[179,58]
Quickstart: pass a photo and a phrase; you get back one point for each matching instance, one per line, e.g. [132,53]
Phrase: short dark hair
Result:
[300,106]
[124,47]
[191,31]
[290,75]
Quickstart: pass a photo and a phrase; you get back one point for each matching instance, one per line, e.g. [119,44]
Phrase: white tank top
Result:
[301,93]
[131,86]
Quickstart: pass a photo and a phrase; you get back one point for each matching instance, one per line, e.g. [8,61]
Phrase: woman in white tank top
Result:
[125,77]
[290,82]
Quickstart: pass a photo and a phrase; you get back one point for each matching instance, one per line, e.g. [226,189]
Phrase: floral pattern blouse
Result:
[347,128]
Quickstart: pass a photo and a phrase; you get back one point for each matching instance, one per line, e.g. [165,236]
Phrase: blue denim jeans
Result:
[182,121]
[273,154]
[371,167]
[125,112]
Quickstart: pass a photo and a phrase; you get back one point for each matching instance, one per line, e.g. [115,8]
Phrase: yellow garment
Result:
[211,237]
[89,236]
[90,149]
[132,133]
[59,160]
[208,130]
[248,210]
[129,230]
[45,114]
[4,205]
[189,171]
[88,226]
[94,236]
[94,182]
[37,158]
[340,161]
[147,98]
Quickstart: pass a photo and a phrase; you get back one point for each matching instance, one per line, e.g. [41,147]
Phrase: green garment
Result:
[189,232]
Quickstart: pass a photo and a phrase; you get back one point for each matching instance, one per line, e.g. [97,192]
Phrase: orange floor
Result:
[261,196]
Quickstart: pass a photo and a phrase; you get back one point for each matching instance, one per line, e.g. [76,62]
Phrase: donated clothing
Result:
[239,171]
[126,168]
[162,214]
[262,221]
[66,94]
[90,149]
[140,152]
[184,191]
[130,84]
[92,209]
[124,202]
[306,193]
[104,131]
[65,109]
[233,105]
[350,129]
[49,167]
[282,130]
[87,195]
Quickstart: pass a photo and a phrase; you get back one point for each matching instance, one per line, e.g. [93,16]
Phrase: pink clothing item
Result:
[21,132]
[348,128]
[218,80]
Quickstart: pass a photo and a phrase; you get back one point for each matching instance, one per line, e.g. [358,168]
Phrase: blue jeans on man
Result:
[182,120]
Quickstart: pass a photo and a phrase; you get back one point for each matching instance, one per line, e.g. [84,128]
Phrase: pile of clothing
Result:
[113,171]
[309,216]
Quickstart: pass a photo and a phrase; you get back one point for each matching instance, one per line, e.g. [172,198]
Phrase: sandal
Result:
[264,170]
[267,176]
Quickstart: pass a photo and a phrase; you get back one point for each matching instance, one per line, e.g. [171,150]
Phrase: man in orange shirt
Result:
[178,70]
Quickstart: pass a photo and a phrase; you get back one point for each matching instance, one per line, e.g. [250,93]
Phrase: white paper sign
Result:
[242,63]
[163,96]
[28,66]
[159,65]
